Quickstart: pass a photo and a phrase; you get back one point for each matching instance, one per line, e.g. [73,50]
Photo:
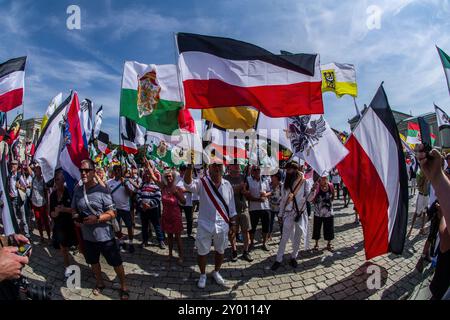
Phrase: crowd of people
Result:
[230,200]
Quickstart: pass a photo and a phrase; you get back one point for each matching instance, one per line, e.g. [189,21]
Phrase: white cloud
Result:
[401,53]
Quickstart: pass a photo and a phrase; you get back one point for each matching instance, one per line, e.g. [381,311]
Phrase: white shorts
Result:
[203,241]
[421,203]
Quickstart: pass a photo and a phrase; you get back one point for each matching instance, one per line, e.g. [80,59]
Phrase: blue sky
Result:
[401,53]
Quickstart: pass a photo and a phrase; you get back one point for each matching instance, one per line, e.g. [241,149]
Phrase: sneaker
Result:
[293,262]
[131,248]
[202,281]
[162,245]
[275,266]
[67,273]
[247,257]
[218,278]
[145,244]
[234,256]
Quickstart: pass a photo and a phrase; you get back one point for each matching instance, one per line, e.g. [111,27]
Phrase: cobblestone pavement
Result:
[320,275]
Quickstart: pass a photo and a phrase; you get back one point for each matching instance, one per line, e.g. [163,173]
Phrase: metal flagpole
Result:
[191,143]
[120,120]
[358,113]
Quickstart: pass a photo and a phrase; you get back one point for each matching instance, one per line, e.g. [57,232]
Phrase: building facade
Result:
[402,120]
[29,130]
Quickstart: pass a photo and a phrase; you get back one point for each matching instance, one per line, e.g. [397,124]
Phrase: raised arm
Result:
[179,194]
[432,168]
[188,174]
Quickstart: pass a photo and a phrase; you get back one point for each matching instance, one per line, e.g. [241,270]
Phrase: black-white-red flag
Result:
[103,142]
[223,72]
[12,75]
[375,174]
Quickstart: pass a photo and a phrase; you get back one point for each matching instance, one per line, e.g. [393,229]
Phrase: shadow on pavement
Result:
[354,287]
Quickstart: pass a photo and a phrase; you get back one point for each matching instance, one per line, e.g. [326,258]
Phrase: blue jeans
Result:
[153,216]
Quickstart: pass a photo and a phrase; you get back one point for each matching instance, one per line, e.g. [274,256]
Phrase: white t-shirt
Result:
[28,181]
[209,218]
[12,183]
[335,177]
[120,197]
[255,188]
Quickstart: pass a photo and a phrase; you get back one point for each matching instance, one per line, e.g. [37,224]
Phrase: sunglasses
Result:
[86,170]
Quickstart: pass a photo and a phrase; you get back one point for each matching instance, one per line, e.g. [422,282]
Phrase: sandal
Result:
[330,248]
[124,294]
[316,248]
[97,290]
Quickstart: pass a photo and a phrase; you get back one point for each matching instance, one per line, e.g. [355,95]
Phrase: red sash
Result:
[214,201]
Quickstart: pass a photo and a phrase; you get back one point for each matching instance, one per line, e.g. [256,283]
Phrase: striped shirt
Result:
[149,193]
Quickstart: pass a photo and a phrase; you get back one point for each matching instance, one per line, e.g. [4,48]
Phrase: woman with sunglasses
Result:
[171,219]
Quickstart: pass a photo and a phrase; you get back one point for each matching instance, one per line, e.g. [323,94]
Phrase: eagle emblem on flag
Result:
[67,136]
[148,94]
[329,79]
[304,133]
[161,151]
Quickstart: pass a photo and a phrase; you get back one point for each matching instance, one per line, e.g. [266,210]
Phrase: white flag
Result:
[111,155]
[442,118]
[7,212]
[86,119]
[274,129]
[313,140]
[98,122]
[49,145]
[56,101]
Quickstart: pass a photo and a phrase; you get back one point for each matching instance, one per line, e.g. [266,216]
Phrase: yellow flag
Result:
[54,104]
[339,78]
[404,140]
[232,117]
